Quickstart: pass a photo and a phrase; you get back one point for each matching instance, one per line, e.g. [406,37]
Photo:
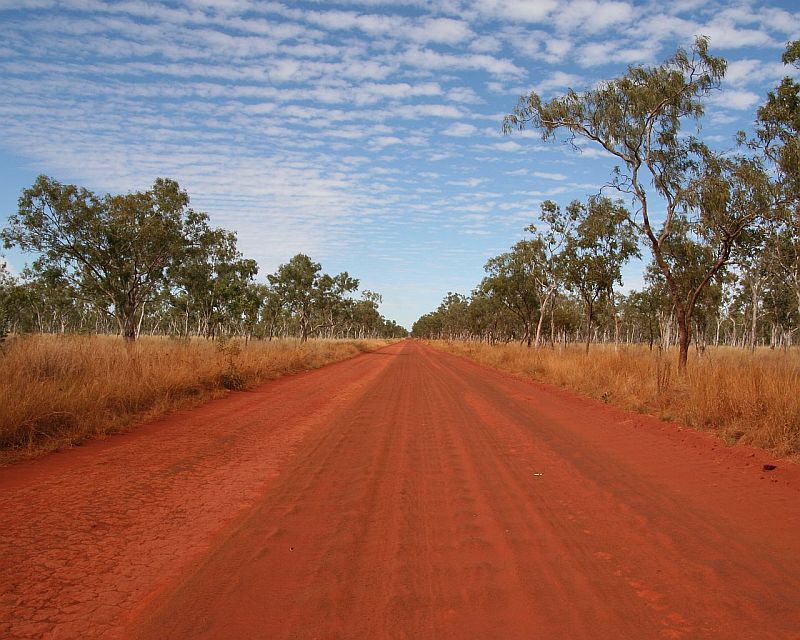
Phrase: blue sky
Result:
[364,134]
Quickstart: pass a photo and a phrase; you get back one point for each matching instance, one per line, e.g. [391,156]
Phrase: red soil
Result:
[405,493]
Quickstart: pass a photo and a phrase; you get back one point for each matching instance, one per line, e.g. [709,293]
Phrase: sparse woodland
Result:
[147,264]
[720,232]
[195,321]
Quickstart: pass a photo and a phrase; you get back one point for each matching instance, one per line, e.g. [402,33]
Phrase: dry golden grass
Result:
[748,398]
[60,390]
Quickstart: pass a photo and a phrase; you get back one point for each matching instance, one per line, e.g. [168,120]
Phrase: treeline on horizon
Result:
[724,263]
[147,263]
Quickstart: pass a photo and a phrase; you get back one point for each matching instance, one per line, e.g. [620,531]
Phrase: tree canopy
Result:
[147,261]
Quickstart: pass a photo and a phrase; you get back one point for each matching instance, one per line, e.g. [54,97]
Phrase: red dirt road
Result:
[405,493]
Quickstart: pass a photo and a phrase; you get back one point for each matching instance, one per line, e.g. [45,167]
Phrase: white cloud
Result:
[559,80]
[549,176]
[486,44]
[735,99]
[780,20]
[465,95]
[445,30]
[557,48]
[750,71]
[656,28]
[429,29]
[415,111]
[460,129]
[610,52]
[385,141]
[724,34]
[431,60]
[517,10]
[593,16]
[507,146]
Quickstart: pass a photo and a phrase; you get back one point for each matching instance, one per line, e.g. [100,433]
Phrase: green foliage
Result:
[603,241]
[778,138]
[512,282]
[7,287]
[211,281]
[710,200]
[147,260]
[114,251]
[316,299]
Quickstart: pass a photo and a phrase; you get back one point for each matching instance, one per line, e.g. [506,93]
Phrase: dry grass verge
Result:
[60,390]
[748,398]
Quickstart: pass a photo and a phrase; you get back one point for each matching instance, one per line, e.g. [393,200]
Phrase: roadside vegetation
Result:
[720,234]
[191,318]
[744,397]
[59,390]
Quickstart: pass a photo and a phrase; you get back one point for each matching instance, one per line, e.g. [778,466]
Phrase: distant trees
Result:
[524,280]
[147,261]
[513,282]
[581,250]
[210,281]
[603,241]
[317,300]
[727,314]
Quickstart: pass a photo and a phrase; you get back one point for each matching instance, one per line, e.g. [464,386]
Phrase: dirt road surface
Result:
[405,493]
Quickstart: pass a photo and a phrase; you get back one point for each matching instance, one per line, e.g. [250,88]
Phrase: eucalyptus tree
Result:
[428,326]
[271,311]
[114,250]
[314,299]
[334,305]
[365,319]
[453,314]
[295,284]
[640,310]
[392,330]
[550,240]
[708,201]
[514,280]
[780,314]
[603,241]
[486,317]
[211,280]
[778,137]
[8,288]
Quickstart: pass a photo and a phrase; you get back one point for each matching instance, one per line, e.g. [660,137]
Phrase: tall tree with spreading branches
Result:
[114,250]
[707,200]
